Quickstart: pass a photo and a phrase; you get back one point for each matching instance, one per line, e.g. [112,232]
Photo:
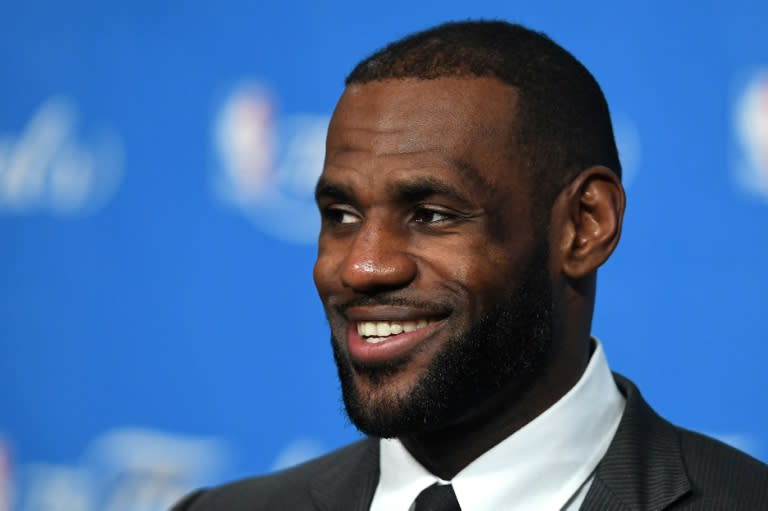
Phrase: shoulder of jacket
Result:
[249,493]
[721,475]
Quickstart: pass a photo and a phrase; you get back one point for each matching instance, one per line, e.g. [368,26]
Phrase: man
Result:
[470,191]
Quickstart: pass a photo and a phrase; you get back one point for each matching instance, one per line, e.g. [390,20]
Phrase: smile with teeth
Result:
[378,331]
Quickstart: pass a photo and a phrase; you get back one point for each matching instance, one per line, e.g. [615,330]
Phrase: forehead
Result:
[466,123]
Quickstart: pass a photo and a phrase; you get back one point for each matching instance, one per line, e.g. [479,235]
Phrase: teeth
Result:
[382,329]
[377,331]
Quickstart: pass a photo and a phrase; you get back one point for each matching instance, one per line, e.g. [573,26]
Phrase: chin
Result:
[375,396]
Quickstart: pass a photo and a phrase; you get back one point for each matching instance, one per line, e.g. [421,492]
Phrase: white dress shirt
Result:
[548,464]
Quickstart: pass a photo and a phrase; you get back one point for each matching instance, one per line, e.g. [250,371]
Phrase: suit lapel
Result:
[643,468]
[350,484]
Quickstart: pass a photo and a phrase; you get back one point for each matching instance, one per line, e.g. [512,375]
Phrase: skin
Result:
[424,200]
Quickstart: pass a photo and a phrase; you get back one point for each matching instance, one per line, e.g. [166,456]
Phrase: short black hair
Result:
[563,125]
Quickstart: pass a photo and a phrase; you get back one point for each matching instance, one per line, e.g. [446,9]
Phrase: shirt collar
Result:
[541,466]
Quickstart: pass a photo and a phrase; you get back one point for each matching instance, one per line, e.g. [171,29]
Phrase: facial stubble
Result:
[506,349]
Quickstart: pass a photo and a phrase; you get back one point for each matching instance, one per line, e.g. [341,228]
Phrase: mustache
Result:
[394,301]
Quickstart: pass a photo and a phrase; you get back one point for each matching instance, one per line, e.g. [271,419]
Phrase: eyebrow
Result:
[421,188]
[330,190]
[470,172]
[405,192]
[413,190]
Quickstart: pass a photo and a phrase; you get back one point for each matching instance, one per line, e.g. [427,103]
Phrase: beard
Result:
[506,348]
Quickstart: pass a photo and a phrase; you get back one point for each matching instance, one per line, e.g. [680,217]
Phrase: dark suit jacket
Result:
[650,465]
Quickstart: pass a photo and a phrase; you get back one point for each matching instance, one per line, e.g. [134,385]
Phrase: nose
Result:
[378,260]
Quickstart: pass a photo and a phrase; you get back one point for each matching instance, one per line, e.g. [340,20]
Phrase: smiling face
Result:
[433,275]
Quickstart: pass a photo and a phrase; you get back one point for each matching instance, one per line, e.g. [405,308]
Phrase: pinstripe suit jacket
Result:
[650,465]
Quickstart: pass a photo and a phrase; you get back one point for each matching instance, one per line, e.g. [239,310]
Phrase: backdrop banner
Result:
[159,329]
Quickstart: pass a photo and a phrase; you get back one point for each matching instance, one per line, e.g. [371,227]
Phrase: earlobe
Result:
[592,211]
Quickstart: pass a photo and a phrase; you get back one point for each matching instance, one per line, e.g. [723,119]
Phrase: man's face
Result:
[433,276]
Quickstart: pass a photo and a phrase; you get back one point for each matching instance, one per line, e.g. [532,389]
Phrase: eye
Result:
[341,215]
[426,215]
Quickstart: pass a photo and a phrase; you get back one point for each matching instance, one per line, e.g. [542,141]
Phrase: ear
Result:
[588,215]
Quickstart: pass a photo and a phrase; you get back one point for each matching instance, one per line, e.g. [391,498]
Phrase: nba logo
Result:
[244,138]
[752,130]
[267,166]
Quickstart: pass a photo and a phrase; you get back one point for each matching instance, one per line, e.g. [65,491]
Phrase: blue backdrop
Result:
[158,324]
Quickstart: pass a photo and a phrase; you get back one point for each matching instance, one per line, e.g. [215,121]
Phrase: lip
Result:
[393,347]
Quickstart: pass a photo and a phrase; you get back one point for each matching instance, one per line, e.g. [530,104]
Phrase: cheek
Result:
[329,265]
[481,273]
[488,283]
[323,272]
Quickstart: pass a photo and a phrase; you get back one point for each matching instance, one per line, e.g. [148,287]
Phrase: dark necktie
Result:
[438,497]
